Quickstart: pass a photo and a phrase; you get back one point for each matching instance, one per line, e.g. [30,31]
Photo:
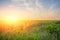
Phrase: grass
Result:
[40,30]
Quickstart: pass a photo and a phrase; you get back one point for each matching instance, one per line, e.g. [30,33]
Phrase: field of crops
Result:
[40,30]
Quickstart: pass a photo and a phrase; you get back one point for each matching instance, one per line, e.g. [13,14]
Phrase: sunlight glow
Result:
[11,19]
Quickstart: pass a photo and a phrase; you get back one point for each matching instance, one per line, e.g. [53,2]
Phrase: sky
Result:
[30,9]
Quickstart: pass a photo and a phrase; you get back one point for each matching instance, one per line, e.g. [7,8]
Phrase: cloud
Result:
[51,13]
[15,0]
[37,9]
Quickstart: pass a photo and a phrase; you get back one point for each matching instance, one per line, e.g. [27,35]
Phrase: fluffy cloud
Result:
[37,9]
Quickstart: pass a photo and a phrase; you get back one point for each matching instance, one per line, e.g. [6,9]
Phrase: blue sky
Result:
[36,9]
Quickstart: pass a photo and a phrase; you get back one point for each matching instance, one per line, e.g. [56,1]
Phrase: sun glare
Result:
[11,19]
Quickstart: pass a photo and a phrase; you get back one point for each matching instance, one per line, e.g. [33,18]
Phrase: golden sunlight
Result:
[11,19]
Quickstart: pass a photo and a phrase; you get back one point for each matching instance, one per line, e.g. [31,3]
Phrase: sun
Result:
[11,19]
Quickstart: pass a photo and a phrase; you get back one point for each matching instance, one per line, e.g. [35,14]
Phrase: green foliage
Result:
[41,30]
